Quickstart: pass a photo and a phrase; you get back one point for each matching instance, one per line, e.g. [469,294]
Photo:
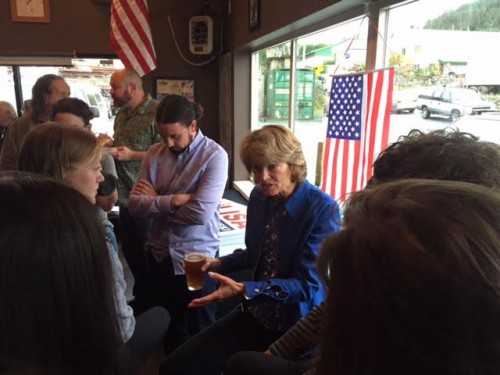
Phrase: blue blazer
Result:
[311,217]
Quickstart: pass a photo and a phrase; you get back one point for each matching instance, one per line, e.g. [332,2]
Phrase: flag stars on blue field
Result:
[345,107]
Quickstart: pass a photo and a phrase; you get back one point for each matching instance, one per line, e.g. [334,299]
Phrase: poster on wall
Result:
[175,86]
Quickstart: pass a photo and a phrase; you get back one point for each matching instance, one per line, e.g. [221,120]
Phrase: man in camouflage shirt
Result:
[134,132]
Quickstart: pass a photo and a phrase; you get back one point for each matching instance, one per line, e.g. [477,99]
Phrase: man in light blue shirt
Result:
[180,186]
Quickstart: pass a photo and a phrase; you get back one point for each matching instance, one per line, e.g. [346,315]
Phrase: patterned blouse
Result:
[267,310]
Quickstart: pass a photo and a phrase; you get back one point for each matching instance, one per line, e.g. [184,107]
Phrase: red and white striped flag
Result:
[358,129]
[130,35]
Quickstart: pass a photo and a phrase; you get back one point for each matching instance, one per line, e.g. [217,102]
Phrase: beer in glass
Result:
[192,266]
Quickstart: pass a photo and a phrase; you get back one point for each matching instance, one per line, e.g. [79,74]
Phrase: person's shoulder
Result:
[155,148]
[210,146]
[106,157]
[148,107]
[158,153]
[107,163]
[22,123]
[151,102]
[19,128]
[214,145]
[317,194]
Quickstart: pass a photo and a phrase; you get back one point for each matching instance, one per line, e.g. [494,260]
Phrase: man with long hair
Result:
[47,91]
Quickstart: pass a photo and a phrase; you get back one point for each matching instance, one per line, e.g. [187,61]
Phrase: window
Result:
[87,78]
[433,45]
[7,84]
[307,79]
[429,45]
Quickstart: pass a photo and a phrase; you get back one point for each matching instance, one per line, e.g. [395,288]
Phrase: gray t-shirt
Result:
[108,167]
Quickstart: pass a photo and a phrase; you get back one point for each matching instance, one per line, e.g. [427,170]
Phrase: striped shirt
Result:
[302,336]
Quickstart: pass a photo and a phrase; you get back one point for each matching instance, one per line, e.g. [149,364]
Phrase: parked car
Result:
[453,103]
[403,101]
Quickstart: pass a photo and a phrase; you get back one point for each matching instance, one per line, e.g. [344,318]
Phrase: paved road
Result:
[403,123]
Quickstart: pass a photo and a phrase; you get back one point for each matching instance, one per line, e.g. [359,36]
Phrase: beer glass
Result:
[192,266]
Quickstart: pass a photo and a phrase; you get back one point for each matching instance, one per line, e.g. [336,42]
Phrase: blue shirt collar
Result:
[194,145]
[196,141]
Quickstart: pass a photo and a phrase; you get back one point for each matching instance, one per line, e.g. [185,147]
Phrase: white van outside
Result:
[99,104]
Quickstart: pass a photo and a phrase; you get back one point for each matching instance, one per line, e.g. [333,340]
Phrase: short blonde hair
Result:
[273,144]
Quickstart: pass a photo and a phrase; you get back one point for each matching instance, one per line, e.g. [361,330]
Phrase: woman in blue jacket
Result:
[287,219]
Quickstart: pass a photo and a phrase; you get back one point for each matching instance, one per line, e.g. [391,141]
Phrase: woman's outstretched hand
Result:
[228,288]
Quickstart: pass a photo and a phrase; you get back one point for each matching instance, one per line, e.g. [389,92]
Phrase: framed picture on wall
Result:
[175,86]
[30,11]
[253,14]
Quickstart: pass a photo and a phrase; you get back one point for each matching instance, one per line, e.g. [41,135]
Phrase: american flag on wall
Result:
[358,129]
[130,35]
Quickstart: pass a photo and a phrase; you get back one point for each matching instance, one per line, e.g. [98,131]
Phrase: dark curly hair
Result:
[445,154]
[74,106]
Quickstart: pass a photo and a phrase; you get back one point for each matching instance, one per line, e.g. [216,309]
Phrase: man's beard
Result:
[123,101]
[177,150]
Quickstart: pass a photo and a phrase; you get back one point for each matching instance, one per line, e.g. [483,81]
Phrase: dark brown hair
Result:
[444,154]
[414,281]
[74,106]
[177,108]
[57,314]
